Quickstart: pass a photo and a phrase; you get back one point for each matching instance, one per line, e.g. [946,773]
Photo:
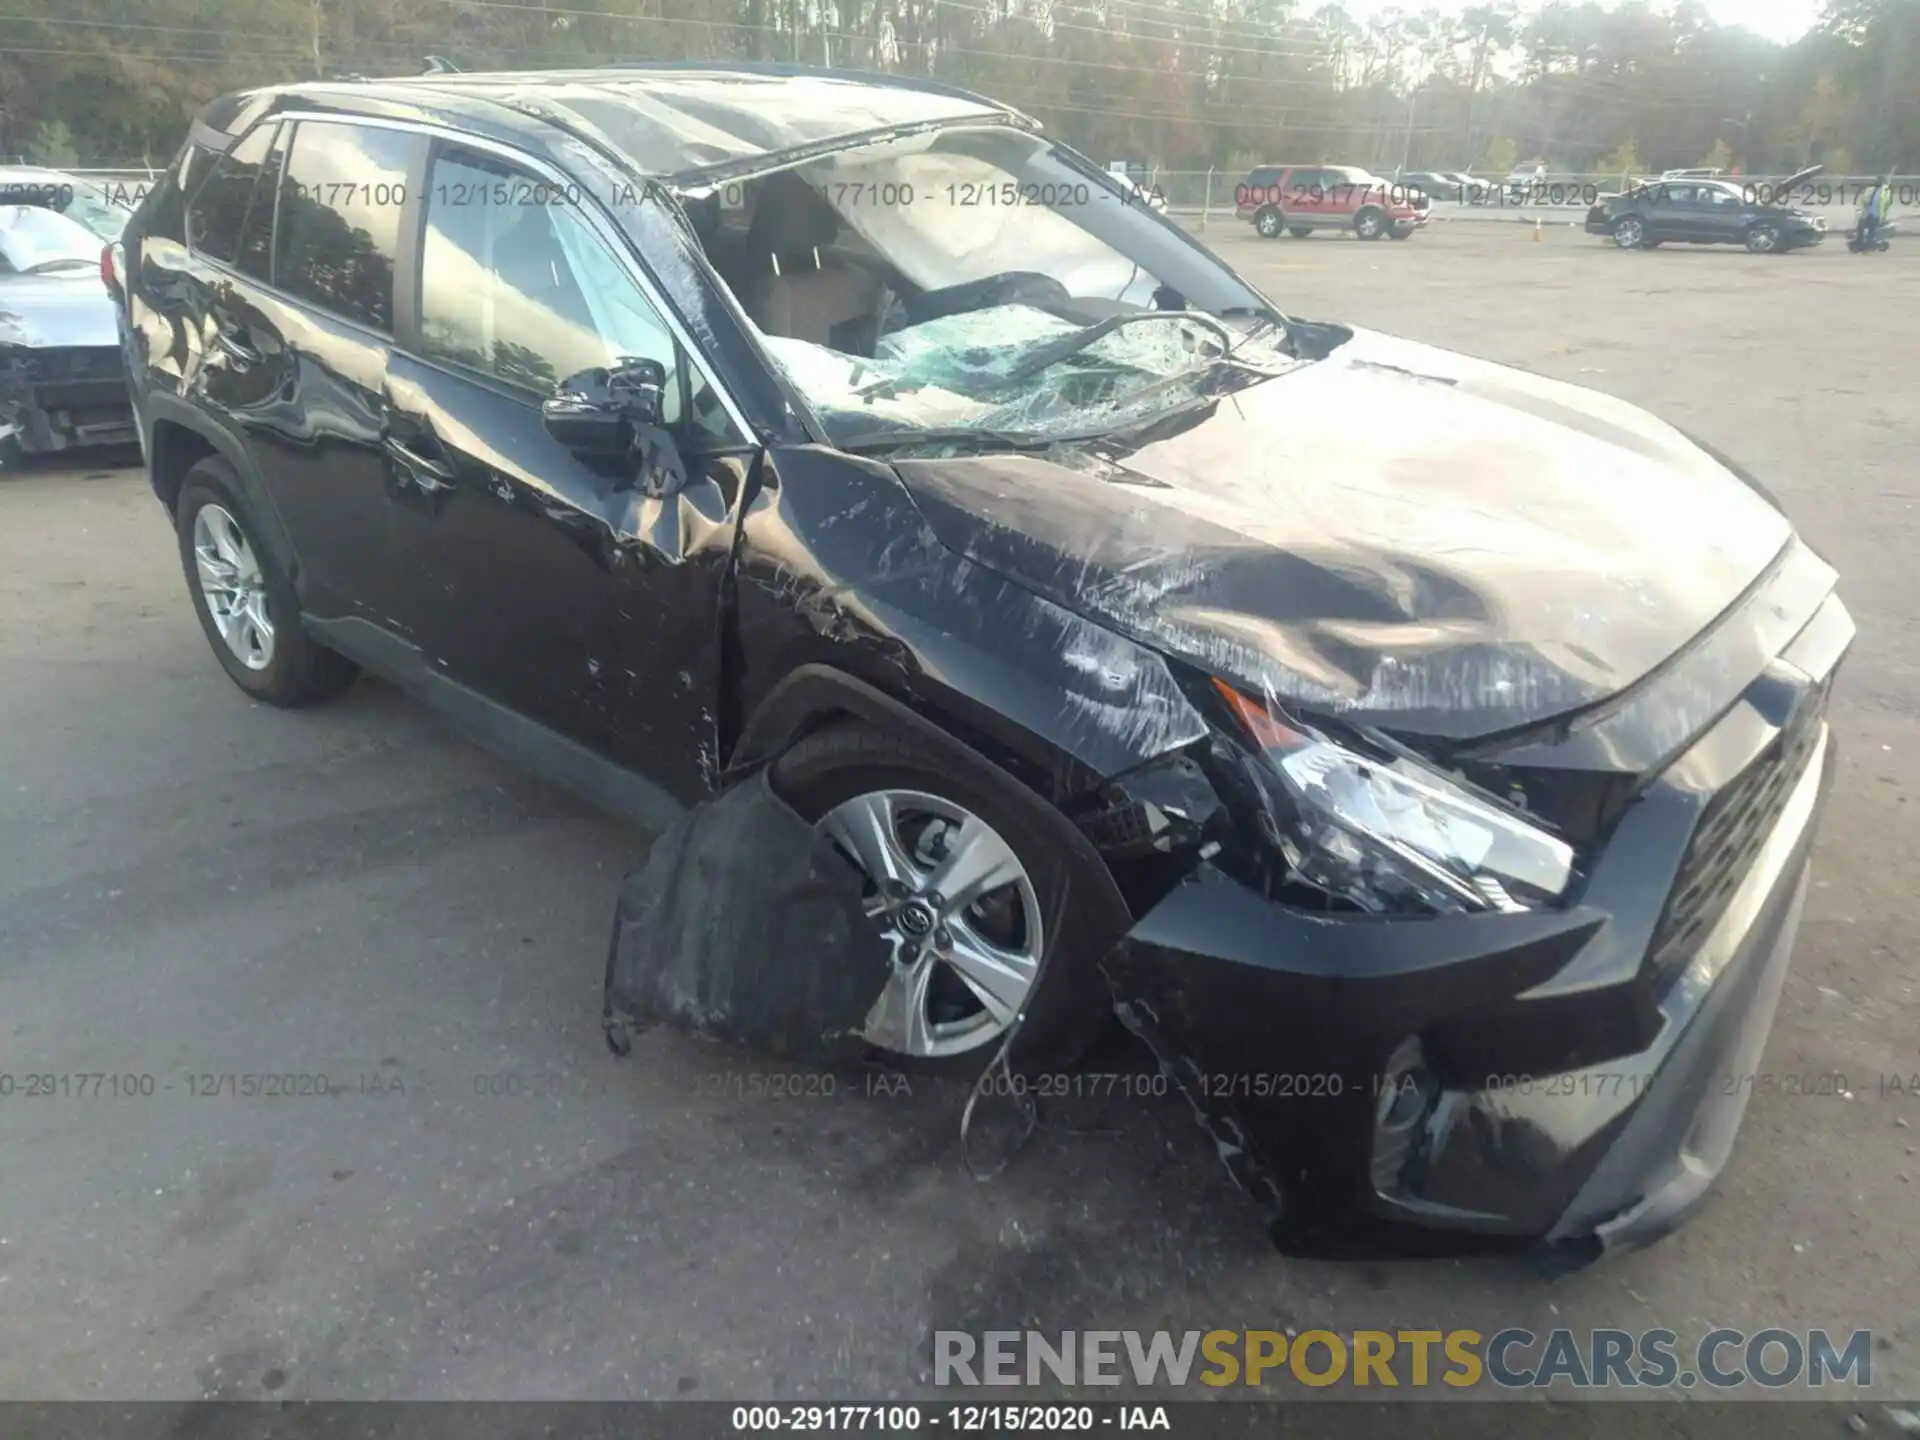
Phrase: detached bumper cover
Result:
[1550,1080]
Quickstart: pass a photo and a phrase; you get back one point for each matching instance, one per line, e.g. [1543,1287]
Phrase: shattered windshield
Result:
[36,239]
[978,280]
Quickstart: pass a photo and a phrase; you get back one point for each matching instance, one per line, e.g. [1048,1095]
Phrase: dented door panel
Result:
[568,595]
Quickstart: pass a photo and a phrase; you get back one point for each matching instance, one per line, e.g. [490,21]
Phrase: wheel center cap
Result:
[917,918]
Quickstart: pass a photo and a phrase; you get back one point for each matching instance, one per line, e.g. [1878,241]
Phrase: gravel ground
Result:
[192,887]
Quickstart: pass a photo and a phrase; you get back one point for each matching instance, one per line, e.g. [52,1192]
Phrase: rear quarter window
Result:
[218,210]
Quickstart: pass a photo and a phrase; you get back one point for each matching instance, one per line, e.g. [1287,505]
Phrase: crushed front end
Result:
[55,398]
[1506,993]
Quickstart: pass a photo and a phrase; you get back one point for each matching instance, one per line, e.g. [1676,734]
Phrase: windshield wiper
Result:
[1055,351]
[1264,320]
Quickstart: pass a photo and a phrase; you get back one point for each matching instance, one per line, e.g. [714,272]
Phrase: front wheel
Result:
[1370,224]
[988,921]
[1399,232]
[1764,238]
[1269,222]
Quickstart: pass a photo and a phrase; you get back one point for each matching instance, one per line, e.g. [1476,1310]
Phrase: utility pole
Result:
[1406,150]
[314,11]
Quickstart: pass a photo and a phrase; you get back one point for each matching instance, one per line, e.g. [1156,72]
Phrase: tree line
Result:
[1177,84]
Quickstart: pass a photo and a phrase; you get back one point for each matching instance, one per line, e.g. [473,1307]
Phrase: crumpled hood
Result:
[1398,534]
[43,311]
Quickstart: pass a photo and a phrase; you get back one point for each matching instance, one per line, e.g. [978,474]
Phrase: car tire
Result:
[1066,1003]
[1269,222]
[1299,232]
[1400,232]
[1763,239]
[1370,223]
[244,600]
[1630,233]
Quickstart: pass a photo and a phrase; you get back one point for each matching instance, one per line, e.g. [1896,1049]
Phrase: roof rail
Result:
[440,65]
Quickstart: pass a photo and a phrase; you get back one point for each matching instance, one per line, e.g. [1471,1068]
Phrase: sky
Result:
[1781,20]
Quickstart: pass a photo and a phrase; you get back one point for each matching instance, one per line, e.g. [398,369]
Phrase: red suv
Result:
[1297,198]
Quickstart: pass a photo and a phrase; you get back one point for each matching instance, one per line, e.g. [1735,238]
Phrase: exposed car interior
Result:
[903,284]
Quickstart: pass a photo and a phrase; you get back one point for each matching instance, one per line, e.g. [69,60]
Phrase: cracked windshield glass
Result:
[973,287]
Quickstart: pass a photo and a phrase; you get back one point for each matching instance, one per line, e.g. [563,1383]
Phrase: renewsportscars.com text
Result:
[1514,1358]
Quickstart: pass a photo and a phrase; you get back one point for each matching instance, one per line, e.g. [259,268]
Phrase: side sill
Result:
[507,733]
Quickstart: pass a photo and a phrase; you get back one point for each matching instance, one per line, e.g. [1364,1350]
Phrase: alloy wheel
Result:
[232,587]
[958,912]
[1763,239]
[1268,224]
[1627,234]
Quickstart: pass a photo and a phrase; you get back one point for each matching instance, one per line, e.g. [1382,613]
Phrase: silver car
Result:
[103,209]
[62,379]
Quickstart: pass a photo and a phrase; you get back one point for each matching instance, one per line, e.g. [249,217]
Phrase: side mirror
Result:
[597,414]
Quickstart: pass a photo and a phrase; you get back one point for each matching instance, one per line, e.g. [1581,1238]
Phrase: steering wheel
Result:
[1009,287]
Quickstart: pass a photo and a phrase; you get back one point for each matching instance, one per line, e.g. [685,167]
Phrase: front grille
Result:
[1730,832]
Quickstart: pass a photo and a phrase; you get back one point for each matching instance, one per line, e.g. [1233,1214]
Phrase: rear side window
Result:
[255,255]
[219,210]
[1265,175]
[163,213]
[340,213]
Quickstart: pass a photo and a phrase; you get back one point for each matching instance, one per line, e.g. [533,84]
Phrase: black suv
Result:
[1133,641]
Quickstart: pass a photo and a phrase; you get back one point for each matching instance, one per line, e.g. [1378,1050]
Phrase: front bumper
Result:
[1567,1081]
[60,398]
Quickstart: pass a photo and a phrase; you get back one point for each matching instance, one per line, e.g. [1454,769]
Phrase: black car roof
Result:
[670,120]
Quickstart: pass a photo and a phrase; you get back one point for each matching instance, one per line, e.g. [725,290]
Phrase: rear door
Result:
[297,227]
[559,590]
[344,198]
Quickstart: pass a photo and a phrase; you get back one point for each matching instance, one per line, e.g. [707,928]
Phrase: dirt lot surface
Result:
[193,887]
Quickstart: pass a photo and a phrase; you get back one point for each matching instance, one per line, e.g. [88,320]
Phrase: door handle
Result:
[429,474]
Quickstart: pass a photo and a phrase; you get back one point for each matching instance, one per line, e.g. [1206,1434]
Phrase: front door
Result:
[559,589]
[1724,214]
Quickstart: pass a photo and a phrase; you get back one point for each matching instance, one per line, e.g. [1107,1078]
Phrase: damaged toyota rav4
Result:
[1423,755]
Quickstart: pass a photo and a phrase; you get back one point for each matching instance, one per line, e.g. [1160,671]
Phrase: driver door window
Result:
[516,286]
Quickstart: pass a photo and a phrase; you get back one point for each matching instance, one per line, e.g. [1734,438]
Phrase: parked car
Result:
[1705,212]
[1452,185]
[104,210]
[1127,636]
[62,381]
[1695,174]
[1522,184]
[1299,199]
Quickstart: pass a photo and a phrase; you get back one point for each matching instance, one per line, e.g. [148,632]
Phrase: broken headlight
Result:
[1392,835]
